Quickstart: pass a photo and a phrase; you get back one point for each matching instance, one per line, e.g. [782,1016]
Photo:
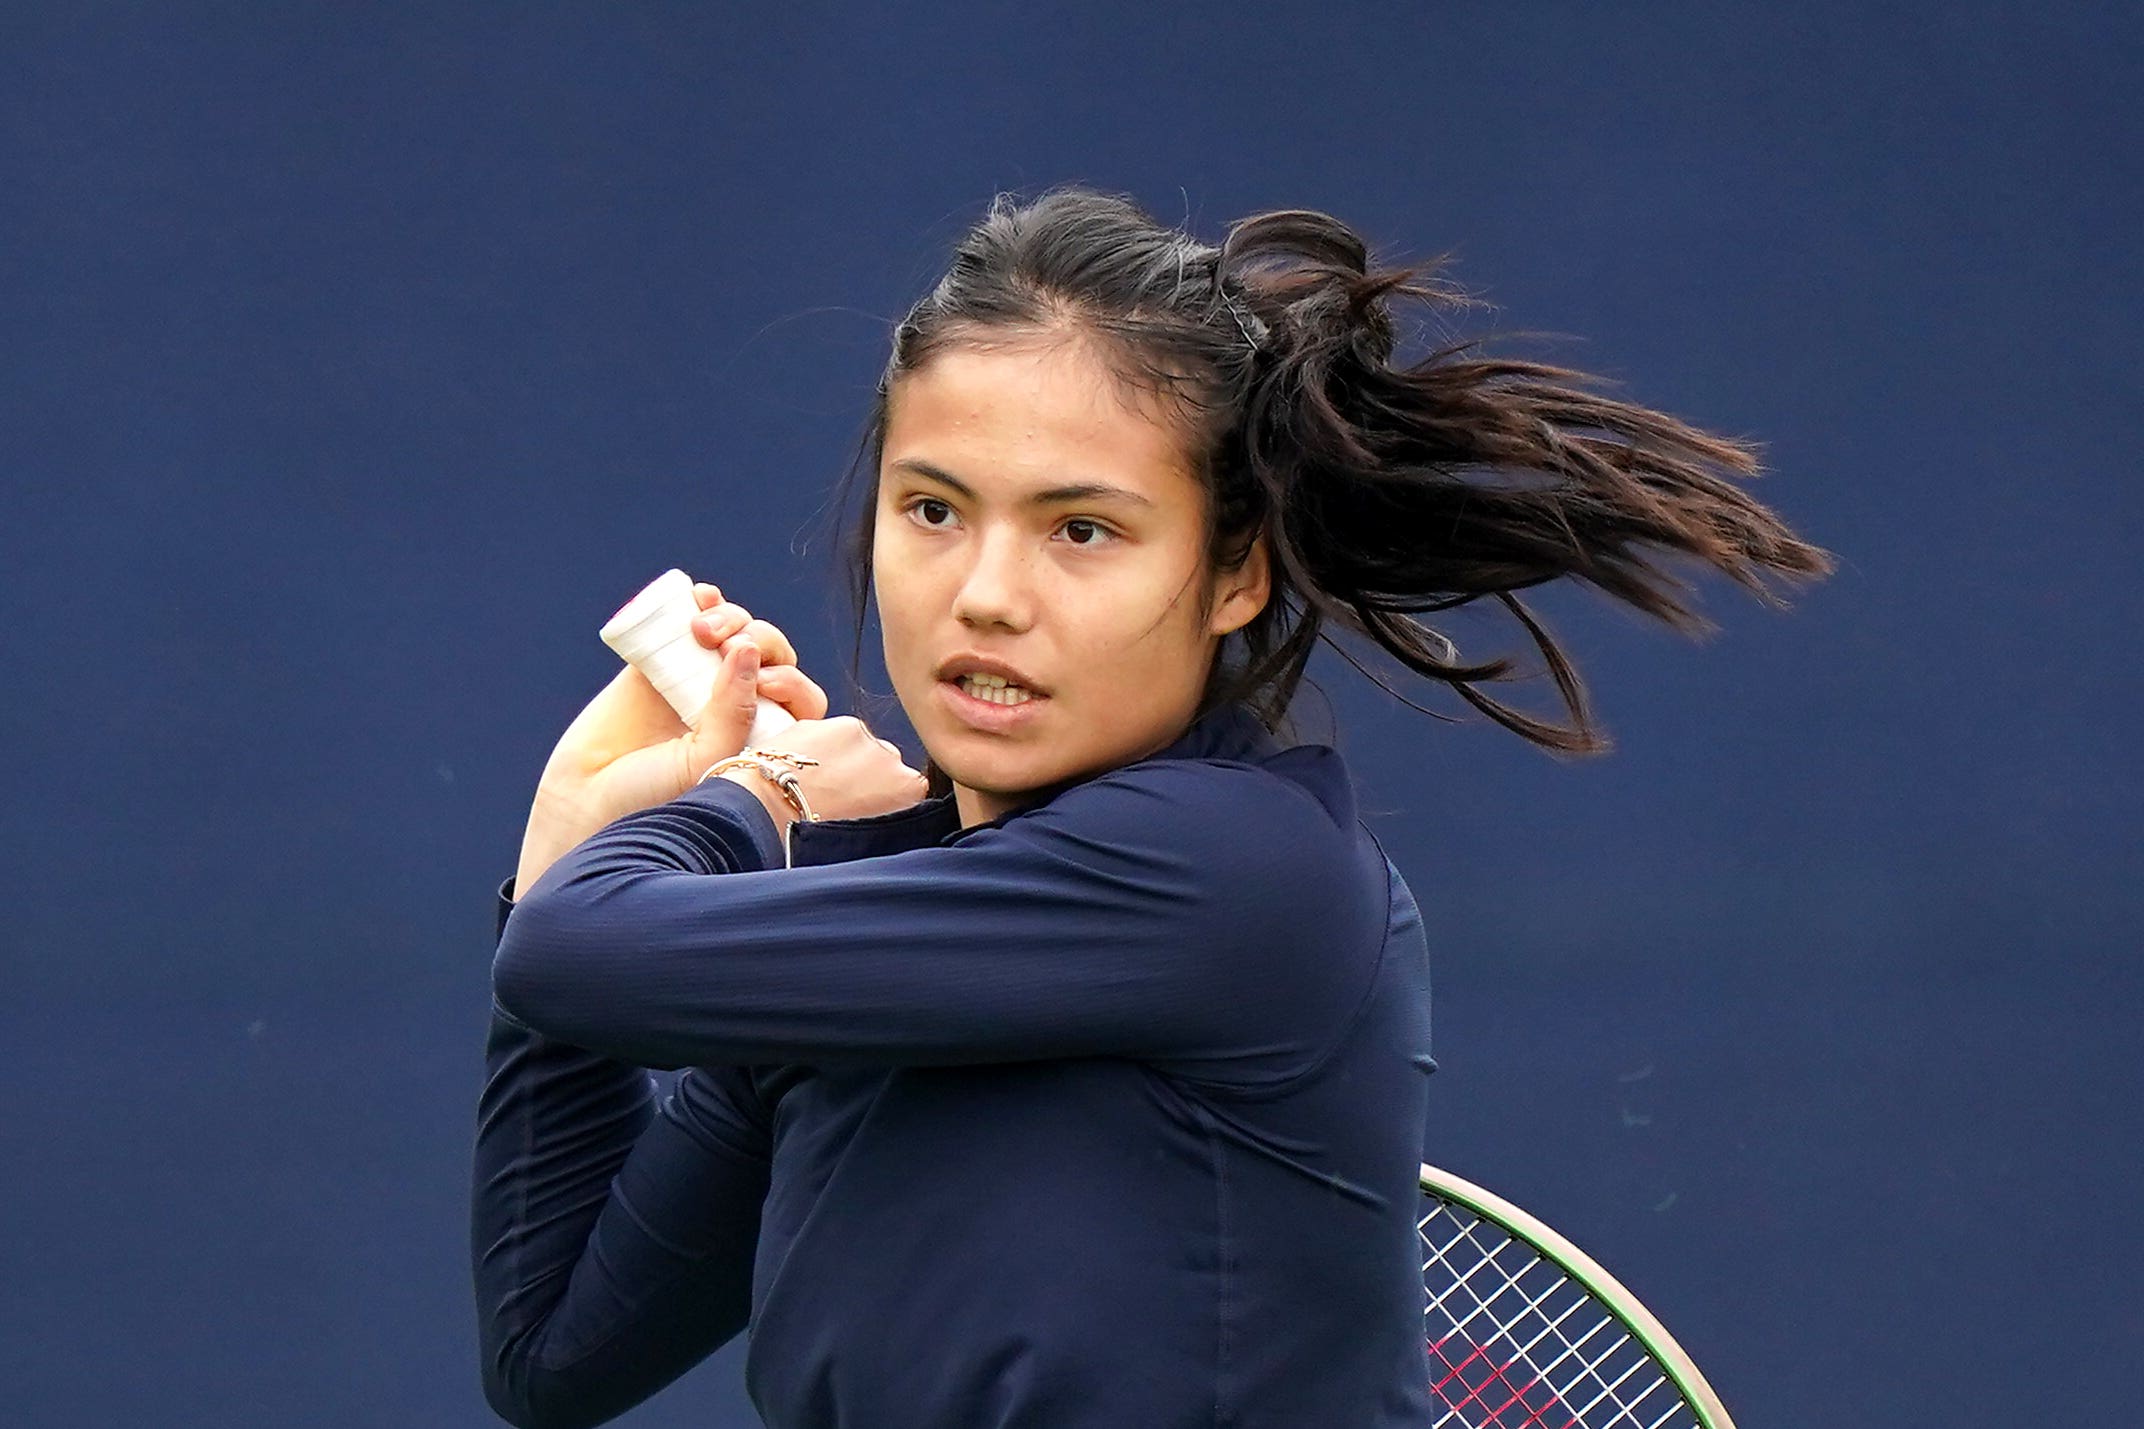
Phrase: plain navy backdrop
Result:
[360,360]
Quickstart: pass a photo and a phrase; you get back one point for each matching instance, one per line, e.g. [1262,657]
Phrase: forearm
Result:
[554,1125]
[611,1246]
[554,829]
[1158,913]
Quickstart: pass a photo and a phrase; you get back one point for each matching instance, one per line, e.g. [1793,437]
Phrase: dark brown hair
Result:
[1385,491]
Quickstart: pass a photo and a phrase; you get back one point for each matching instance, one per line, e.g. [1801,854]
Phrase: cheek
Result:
[1137,643]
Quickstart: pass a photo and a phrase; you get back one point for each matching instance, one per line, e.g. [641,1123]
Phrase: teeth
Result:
[995,689]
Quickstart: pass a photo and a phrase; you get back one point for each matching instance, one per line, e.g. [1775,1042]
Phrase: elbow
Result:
[566,972]
[509,1374]
[511,1401]
[524,1412]
[530,1398]
[530,973]
[515,987]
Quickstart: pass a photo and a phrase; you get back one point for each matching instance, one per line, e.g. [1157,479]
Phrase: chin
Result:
[994,776]
[1008,775]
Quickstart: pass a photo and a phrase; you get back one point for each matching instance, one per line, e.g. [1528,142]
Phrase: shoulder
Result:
[1221,802]
[1274,844]
[1299,799]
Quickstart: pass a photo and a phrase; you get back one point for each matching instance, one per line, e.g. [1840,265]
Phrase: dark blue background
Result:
[358,364]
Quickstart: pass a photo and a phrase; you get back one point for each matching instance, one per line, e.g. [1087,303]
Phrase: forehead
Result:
[1013,420]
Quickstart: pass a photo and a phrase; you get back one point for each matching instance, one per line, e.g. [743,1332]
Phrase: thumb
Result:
[743,682]
[726,719]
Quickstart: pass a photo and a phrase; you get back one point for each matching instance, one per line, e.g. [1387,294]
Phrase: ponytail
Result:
[1391,491]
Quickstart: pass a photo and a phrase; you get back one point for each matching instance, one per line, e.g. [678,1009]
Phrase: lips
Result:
[975,664]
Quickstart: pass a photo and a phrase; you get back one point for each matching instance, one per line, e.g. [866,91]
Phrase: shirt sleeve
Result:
[1208,914]
[612,1239]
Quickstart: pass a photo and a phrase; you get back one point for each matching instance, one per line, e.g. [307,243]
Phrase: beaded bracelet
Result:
[779,766]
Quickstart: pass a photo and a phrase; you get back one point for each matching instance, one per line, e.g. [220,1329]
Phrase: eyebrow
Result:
[1077,491]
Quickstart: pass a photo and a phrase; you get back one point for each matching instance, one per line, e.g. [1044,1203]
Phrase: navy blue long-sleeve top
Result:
[1104,1114]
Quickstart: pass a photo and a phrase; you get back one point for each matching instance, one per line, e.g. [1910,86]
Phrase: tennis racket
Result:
[1527,1331]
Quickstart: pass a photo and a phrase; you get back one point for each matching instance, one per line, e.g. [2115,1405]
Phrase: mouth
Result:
[989,707]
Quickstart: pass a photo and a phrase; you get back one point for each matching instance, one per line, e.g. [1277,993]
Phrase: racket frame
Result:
[1643,1325]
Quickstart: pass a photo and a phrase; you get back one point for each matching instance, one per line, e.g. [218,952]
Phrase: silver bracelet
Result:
[778,766]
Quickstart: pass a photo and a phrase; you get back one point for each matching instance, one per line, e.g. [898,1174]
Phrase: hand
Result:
[721,624]
[627,750]
[858,774]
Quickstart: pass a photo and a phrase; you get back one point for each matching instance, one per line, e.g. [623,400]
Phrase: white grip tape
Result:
[653,633]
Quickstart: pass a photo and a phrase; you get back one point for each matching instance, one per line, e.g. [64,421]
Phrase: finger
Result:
[715,625]
[793,690]
[706,594]
[774,647]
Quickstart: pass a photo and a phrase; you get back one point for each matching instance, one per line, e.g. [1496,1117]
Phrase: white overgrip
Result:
[653,633]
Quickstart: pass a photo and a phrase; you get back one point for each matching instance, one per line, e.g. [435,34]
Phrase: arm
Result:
[1204,913]
[612,1241]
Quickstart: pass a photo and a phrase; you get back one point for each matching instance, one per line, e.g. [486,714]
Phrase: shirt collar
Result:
[1229,731]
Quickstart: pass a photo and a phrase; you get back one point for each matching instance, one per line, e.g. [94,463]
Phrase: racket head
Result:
[1526,1331]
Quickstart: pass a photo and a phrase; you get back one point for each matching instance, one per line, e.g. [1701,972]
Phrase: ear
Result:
[1241,593]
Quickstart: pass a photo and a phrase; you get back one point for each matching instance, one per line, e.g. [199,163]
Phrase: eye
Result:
[923,501]
[1102,535]
[1106,535]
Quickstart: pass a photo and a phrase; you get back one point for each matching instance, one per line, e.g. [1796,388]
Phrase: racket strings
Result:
[1516,1343]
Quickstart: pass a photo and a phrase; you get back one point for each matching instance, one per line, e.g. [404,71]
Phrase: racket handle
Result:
[653,633]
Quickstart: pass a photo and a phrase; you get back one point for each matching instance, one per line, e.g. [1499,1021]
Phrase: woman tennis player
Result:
[1076,1079]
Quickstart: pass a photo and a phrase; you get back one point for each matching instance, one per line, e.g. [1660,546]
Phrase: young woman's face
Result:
[1093,597]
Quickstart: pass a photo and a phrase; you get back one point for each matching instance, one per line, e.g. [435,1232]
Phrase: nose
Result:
[995,590]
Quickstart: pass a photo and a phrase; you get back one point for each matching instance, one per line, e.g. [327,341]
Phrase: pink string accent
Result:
[1494,1377]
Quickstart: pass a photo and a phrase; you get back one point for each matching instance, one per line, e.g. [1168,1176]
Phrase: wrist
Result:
[777,806]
